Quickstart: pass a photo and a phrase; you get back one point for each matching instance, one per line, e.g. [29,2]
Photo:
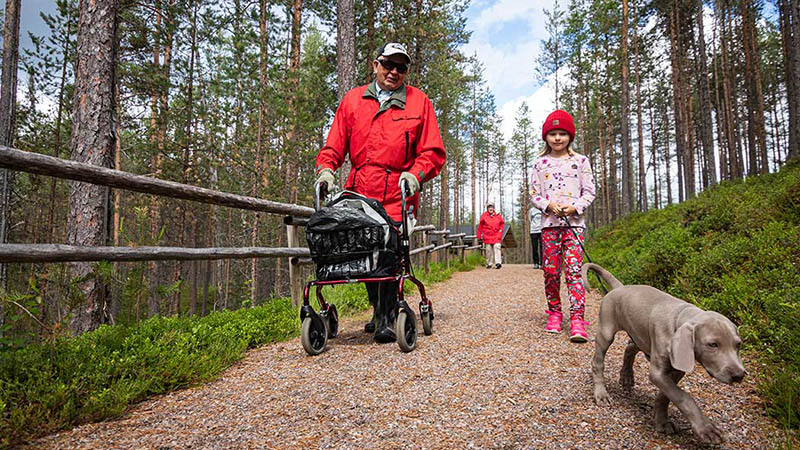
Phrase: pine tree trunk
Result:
[653,157]
[642,180]
[627,154]
[677,93]
[94,117]
[154,209]
[8,102]
[790,32]
[372,47]
[345,46]
[706,123]
[262,139]
[474,177]
[667,157]
[721,121]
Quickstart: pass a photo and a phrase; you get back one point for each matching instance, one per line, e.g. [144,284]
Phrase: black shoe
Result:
[369,327]
[387,315]
[498,266]
[488,266]
[385,335]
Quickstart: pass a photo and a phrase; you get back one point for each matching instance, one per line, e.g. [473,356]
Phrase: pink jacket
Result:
[567,181]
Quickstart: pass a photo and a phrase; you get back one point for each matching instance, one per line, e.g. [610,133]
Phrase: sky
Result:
[506,37]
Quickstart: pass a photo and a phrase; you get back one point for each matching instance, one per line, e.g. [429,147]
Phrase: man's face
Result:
[490,208]
[390,79]
[558,140]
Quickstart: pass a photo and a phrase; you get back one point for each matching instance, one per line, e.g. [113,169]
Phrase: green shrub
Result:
[734,249]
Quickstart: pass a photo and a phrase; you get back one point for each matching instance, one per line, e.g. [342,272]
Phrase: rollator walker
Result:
[318,327]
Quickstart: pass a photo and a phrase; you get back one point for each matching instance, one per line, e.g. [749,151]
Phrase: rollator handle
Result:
[320,192]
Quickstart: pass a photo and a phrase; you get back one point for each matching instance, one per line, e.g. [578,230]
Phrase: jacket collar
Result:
[398,97]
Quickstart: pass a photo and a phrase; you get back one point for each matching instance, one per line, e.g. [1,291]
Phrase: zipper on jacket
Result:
[386,185]
[353,183]
[406,146]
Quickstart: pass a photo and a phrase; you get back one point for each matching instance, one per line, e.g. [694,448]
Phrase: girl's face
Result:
[558,140]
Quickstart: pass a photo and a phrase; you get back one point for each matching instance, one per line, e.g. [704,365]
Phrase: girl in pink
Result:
[563,187]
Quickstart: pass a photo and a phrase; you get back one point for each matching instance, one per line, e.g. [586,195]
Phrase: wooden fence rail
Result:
[296,216]
[28,253]
[37,163]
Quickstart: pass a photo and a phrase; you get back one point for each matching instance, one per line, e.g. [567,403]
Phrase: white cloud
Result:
[506,69]
[506,39]
[511,10]
[541,102]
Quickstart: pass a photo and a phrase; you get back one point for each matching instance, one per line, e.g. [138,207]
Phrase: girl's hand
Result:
[569,210]
[554,208]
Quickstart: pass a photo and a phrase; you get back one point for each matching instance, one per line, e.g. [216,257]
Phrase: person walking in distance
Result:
[389,131]
[536,237]
[562,186]
[490,231]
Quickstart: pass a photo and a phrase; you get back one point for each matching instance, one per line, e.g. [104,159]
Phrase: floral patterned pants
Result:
[560,245]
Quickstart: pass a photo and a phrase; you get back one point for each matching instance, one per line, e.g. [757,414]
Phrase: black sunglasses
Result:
[391,65]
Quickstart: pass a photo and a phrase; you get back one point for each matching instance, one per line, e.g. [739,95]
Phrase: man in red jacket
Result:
[390,133]
[490,231]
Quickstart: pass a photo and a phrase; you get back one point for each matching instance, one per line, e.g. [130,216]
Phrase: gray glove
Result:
[326,176]
[411,182]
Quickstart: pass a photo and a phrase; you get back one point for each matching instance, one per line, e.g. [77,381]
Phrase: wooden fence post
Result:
[425,255]
[295,271]
[461,249]
[446,252]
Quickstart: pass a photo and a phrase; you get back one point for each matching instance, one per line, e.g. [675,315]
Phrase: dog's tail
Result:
[609,279]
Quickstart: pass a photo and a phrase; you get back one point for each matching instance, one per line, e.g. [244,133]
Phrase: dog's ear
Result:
[681,350]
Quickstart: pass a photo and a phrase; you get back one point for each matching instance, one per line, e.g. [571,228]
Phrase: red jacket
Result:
[490,228]
[402,136]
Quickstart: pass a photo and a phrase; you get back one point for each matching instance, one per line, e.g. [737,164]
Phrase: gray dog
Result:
[673,334]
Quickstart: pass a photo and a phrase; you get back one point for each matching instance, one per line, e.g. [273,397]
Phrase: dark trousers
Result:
[386,290]
[536,242]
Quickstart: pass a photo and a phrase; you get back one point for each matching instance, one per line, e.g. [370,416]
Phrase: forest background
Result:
[670,97]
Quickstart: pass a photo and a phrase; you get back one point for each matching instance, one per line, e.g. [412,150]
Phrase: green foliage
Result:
[734,249]
[97,375]
[51,386]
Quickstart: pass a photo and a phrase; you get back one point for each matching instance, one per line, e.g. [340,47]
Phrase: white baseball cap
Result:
[393,48]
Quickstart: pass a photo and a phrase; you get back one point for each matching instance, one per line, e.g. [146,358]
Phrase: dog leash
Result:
[572,229]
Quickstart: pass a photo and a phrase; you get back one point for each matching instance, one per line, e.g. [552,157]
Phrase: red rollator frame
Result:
[317,328]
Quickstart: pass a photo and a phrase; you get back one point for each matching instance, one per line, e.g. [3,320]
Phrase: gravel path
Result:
[489,377]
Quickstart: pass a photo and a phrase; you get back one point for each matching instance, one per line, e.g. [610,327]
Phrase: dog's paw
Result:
[601,397]
[626,379]
[709,433]
[666,427]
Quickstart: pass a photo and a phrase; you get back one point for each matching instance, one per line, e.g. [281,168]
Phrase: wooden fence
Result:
[296,216]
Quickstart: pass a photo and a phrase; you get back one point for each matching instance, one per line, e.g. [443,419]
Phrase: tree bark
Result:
[706,127]
[627,155]
[642,180]
[93,142]
[8,106]
[345,46]
[677,92]
[262,140]
[372,48]
[790,32]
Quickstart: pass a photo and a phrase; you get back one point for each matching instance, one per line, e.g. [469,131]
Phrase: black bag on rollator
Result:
[352,237]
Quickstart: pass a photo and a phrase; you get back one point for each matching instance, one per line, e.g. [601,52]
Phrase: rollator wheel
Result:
[331,319]
[406,331]
[314,335]
[427,323]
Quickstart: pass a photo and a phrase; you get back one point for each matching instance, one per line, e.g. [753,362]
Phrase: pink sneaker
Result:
[553,322]
[577,330]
